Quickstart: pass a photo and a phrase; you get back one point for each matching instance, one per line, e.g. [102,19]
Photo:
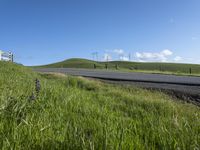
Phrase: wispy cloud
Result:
[152,56]
[118,54]
[107,57]
[165,55]
[194,38]
[119,51]
[124,58]
[178,59]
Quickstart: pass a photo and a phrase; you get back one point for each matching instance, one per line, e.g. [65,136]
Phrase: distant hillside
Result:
[125,65]
[74,63]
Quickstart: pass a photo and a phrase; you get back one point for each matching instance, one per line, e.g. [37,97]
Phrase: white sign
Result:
[6,56]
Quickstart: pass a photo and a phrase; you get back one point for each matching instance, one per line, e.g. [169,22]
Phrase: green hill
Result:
[67,112]
[128,66]
[74,63]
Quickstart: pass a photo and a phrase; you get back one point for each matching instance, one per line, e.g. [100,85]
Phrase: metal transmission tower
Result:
[92,56]
[120,56]
[129,56]
[95,56]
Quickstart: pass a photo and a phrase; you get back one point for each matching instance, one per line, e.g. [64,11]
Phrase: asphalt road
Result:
[125,76]
[186,85]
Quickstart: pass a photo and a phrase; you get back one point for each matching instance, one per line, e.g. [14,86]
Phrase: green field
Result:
[76,113]
[129,66]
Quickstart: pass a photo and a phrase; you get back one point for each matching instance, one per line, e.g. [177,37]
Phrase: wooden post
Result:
[106,66]
[37,87]
[190,70]
[95,66]
[116,66]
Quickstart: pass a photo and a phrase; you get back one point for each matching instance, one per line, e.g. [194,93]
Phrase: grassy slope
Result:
[75,63]
[123,65]
[75,113]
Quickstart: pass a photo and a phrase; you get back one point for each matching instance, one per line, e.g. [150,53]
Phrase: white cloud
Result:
[178,59]
[165,55]
[166,52]
[107,57]
[122,55]
[118,51]
[113,54]
[124,58]
[150,56]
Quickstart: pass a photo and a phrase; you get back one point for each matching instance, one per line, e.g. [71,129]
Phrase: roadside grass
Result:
[160,72]
[77,113]
[148,67]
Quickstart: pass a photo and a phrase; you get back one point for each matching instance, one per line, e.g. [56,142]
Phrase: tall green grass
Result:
[77,113]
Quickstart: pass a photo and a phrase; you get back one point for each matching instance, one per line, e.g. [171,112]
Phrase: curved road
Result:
[178,84]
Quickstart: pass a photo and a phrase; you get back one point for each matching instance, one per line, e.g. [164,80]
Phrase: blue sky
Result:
[46,31]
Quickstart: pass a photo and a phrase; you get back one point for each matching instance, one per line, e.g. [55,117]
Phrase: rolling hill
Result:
[125,65]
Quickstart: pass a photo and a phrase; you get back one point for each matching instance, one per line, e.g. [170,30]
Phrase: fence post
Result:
[136,67]
[116,66]
[95,66]
[190,70]
[106,66]
[160,68]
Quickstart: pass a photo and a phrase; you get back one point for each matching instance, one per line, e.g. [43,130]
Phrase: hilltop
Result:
[77,113]
[127,66]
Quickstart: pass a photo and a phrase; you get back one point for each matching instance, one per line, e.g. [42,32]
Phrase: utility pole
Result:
[92,56]
[95,56]
[121,56]
[129,56]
